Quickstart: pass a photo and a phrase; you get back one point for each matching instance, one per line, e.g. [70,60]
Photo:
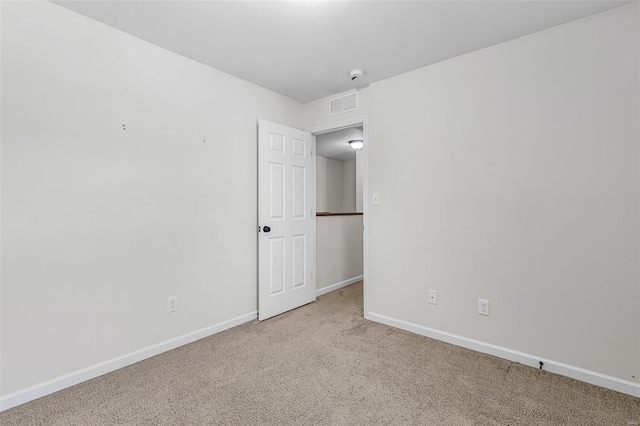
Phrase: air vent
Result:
[336,106]
[343,103]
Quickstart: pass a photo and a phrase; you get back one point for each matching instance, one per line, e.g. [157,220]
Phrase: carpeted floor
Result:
[324,364]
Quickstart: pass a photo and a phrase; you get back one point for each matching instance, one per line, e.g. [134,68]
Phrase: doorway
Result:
[287,217]
[341,205]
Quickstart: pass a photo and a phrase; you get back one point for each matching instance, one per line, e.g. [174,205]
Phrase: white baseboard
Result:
[336,286]
[598,379]
[94,371]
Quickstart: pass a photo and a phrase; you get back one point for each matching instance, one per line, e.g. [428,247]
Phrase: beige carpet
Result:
[323,364]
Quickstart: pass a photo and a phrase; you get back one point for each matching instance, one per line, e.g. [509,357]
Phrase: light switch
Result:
[375,199]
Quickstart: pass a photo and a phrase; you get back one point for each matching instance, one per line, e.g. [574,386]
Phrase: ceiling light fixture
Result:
[356,144]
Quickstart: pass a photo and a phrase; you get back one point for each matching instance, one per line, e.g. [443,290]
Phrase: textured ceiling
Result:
[336,144]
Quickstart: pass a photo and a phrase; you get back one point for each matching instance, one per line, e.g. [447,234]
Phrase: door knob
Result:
[266,229]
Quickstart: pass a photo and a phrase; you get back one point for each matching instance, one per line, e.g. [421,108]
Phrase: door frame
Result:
[345,124]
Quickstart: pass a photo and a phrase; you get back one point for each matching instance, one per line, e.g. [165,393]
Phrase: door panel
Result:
[299,249]
[299,147]
[276,265]
[286,200]
[299,192]
[276,191]
[276,142]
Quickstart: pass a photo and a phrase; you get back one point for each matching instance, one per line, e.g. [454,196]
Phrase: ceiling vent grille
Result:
[343,103]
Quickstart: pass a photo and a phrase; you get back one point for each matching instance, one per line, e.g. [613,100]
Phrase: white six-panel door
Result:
[286,219]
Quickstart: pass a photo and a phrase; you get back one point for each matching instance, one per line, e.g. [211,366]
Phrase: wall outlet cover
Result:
[172,304]
[433,297]
[483,307]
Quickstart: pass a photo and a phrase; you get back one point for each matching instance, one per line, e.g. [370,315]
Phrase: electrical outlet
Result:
[483,307]
[172,304]
[433,297]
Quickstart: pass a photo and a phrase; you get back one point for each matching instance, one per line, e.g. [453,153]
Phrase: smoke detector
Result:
[356,74]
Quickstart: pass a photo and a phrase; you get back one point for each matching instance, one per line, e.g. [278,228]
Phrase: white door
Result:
[286,219]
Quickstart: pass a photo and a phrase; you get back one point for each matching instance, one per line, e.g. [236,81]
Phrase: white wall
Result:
[338,249]
[517,181]
[329,184]
[335,185]
[321,184]
[359,181]
[100,224]
[349,186]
